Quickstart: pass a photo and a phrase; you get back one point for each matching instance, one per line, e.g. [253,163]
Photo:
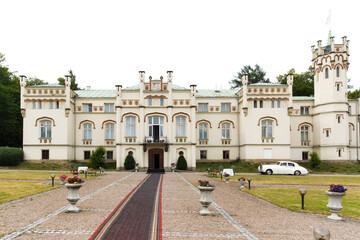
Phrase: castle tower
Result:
[330,111]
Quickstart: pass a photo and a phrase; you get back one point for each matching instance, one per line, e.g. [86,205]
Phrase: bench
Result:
[91,171]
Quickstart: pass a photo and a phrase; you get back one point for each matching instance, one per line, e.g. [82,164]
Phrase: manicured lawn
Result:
[298,180]
[315,200]
[10,191]
[23,175]
[54,166]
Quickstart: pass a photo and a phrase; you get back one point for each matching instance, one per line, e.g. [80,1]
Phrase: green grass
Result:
[54,166]
[10,191]
[315,200]
[325,167]
[297,180]
[23,175]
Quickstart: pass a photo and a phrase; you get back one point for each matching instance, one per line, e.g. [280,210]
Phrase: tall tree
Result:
[32,81]
[354,94]
[255,75]
[74,85]
[303,82]
[10,117]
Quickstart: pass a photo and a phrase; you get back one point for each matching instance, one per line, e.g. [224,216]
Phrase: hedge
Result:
[10,156]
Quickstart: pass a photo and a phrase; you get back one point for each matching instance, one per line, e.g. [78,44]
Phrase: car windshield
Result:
[278,163]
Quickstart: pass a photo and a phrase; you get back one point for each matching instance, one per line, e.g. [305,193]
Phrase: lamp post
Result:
[52,179]
[302,192]
[249,180]
[233,168]
[221,172]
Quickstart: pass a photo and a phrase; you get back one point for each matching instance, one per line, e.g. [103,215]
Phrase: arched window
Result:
[87,131]
[203,131]
[225,131]
[130,127]
[110,131]
[266,129]
[45,129]
[337,72]
[180,126]
[326,72]
[304,133]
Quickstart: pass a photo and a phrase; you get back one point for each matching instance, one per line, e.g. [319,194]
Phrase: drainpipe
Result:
[238,122]
[357,131]
[75,126]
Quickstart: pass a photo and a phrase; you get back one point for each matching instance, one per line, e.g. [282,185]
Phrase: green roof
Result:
[46,85]
[174,87]
[217,93]
[96,93]
[303,98]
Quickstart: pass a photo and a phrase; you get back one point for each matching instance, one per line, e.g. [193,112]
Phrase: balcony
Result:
[155,140]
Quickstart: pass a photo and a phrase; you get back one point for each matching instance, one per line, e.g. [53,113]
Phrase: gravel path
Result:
[237,215]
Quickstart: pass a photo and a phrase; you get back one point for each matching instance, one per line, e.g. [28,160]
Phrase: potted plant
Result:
[242,182]
[206,189]
[335,194]
[73,186]
[63,177]
[75,174]
[173,167]
[227,177]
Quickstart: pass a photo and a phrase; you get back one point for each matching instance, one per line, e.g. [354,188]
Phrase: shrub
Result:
[97,158]
[314,160]
[181,163]
[10,156]
[129,162]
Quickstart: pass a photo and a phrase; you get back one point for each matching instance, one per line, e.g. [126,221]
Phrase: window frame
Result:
[266,128]
[45,154]
[109,131]
[225,107]
[226,154]
[203,154]
[88,108]
[180,126]
[305,110]
[326,73]
[109,153]
[45,127]
[203,131]
[225,131]
[130,126]
[109,107]
[304,133]
[87,131]
[87,155]
[203,107]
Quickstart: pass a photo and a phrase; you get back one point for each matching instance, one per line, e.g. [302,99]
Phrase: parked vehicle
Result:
[282,167]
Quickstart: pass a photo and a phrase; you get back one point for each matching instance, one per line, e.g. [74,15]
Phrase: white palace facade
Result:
[157,120]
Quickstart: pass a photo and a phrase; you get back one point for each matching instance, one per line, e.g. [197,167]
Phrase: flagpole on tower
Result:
[328,22]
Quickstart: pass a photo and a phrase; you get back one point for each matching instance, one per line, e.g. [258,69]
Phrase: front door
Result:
[156,158]
[156,133]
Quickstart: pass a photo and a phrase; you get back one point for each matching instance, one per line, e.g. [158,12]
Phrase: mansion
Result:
[157,121]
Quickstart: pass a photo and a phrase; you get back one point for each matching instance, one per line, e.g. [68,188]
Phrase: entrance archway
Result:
[156,160]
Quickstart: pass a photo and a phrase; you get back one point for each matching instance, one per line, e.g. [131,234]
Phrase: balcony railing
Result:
[155,140]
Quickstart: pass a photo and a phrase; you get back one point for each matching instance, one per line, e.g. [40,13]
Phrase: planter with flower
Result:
[74,184]
[173,167]
[63,177]
[206,189]
[242,182]
[335,194]
[75,174]
[227,177]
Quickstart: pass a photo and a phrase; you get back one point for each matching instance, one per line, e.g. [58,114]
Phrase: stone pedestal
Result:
[334,204]
[73,197]
[205,199]
[62,181]
[227,179]
[242,184]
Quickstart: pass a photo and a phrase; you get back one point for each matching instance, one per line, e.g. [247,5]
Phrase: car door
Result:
[290,168]
[282,169]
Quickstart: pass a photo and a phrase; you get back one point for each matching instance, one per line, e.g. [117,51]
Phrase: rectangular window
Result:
[86,155]
[109,107]
[266,129]
[304,110]
[57,105]
[87,107]
[261,103]
[87,131]
[349,110]
[109,155]
[130,127]
[339,153]
[278,103]
[337,87]
[161,101]
[273,104]
[255,104]
[305,155]
[202,107]
[39,105]
[203,135]
[180,127]
[45,129]
[44,154]
[202,154]
[34,105]
[225,107]
[150,101]
[225,131]
[109,131]
[339,119]
[51,105]
[304,133]
[226,154]
[327,132]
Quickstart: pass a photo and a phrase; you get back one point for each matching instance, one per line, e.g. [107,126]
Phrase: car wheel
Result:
[297,173]
[269,172]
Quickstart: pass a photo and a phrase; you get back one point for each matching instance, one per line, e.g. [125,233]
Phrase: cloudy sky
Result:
[203,42]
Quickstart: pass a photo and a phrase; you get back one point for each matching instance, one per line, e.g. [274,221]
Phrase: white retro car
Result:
[282,167]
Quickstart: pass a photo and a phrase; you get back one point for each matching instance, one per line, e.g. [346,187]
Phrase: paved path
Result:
[236,215]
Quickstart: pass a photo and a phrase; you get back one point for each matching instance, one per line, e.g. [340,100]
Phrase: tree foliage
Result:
[303,82]
[32,81]
[314,160]
[354,94]
[10,156]
[181,163]
[10,116]
[97,158]
[255,74]
[74,85]
[129,163]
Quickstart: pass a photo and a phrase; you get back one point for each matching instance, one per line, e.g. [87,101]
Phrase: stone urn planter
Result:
[173,167]
[334,204]
[136,167]
[205,199]
[62,181]
[73,197]
[242,183]
[227,179]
